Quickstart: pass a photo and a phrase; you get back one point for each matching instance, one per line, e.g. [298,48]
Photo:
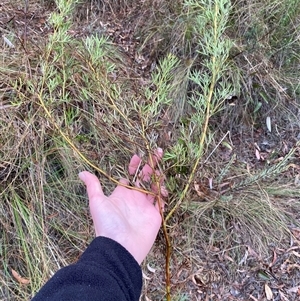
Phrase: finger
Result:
[134,164]
[92,184]
[162,205]
[147,170]
[163,190]
[159,184]
[157,156]
[124,181]
[120,189]
[151,199]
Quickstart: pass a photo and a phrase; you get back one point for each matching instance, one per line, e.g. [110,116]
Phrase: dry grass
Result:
[71,99]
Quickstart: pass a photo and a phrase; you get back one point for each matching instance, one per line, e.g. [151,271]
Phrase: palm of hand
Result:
[126,216]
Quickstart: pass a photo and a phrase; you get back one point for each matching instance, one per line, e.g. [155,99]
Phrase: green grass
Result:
[71,102]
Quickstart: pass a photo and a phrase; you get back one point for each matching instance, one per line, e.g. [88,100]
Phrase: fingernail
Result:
[160,150]
[82,175]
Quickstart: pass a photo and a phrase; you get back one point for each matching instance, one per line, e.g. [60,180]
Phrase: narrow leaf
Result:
[263,275]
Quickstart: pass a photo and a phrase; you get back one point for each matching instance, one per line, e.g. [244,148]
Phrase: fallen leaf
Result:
[210,181]
[228,258]
[150,269]
[293,289]
[274,259]
[19,278]
[226,144]
[200,278]
[244,258]
[268,291]
[283,297]
[294,247]
[296,254]
[213,249]
[292,266]
[145,276]
[201,190]
[295,166]
[257,154]
[253,298]
[268,122]
[8,42]
[252,252]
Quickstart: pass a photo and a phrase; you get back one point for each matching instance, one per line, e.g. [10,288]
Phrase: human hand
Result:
[127,216]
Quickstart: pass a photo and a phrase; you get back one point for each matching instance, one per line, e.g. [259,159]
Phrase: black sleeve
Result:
[106,271]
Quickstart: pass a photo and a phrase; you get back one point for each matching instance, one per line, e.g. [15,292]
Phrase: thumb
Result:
[92,184]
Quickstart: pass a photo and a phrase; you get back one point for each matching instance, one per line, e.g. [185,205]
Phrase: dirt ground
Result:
[217,271]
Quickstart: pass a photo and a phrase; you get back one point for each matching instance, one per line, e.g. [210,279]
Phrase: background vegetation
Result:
[85,84]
